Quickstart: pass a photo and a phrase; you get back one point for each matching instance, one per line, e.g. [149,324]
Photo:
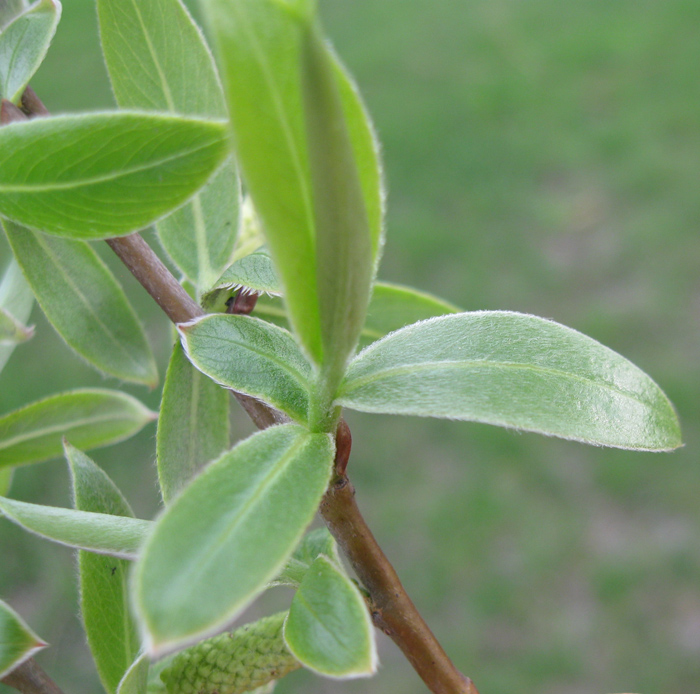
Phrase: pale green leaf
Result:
[253,272]
[17,641]
[228,534]
[12,332]
[199,237]
[328,628]
[116,536]
[85,303]
[135,680]
[89,418]
[265,48]
[9,9]
[252,357]
[158,60]
[16,298]
[23,45]
[104,174]
[316,542]
[104,597]
[192,427]
[513,370]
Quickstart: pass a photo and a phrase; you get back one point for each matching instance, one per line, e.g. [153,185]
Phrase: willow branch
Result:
[29,678]
[392,610]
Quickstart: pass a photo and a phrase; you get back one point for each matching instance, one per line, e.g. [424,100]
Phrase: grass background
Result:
[542,157]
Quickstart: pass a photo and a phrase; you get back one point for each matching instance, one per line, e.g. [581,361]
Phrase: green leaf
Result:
[252,357]
[90,418]
[193,427]
[144,45]
[104,174]
[17,641]
[12,332]
[85,303]
[328,629]
[199,237]
[228,534]
[16,298]
[135,680]
[394,306]
[23,45]
[252,272]
[116,536]
[513,370]
[9,9]
[316,542]
[104,597]
[282,82]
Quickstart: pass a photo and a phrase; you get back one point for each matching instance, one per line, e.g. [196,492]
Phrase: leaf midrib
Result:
[353,384]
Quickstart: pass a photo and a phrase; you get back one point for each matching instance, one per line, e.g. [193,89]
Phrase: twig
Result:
[392,609]
[29,678]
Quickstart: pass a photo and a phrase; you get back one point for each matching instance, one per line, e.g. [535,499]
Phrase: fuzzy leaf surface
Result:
[135,680]
[9,9]
[255,271]
[158,60]
[192,427]
[23,46]
[328,628]
[6,475]
[266,48]
[104,598]
[104,174]
[318,541]
[84,302]
[513,370]
[17,299]
[116,536]
[90,418]
[17,641]
[250,356]
[228,534]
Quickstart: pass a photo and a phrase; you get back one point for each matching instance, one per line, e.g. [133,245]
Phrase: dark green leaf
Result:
[104,598]
[192,427]
[17,641]
[228,534]
[104,174]
[85,303]
[252,357]
[90,418]
[513,370]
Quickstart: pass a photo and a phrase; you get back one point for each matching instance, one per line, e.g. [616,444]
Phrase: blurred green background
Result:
[543,157]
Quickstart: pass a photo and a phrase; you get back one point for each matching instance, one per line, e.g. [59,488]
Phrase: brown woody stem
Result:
[392,610]
[29,678]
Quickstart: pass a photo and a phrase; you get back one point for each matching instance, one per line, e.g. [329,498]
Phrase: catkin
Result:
[232,663]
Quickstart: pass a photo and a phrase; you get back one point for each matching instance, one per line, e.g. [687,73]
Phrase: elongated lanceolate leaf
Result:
[250,356]
[157,59]
[85,303]
[228,534]
[135,680]
[104,174]
[23,45]
[12,332]
[90,418]
[513,370]
[193,424]
[104,604]
[17,299]
[328,628]
[102,533]
[276,74]
[6,475]
[17,641]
